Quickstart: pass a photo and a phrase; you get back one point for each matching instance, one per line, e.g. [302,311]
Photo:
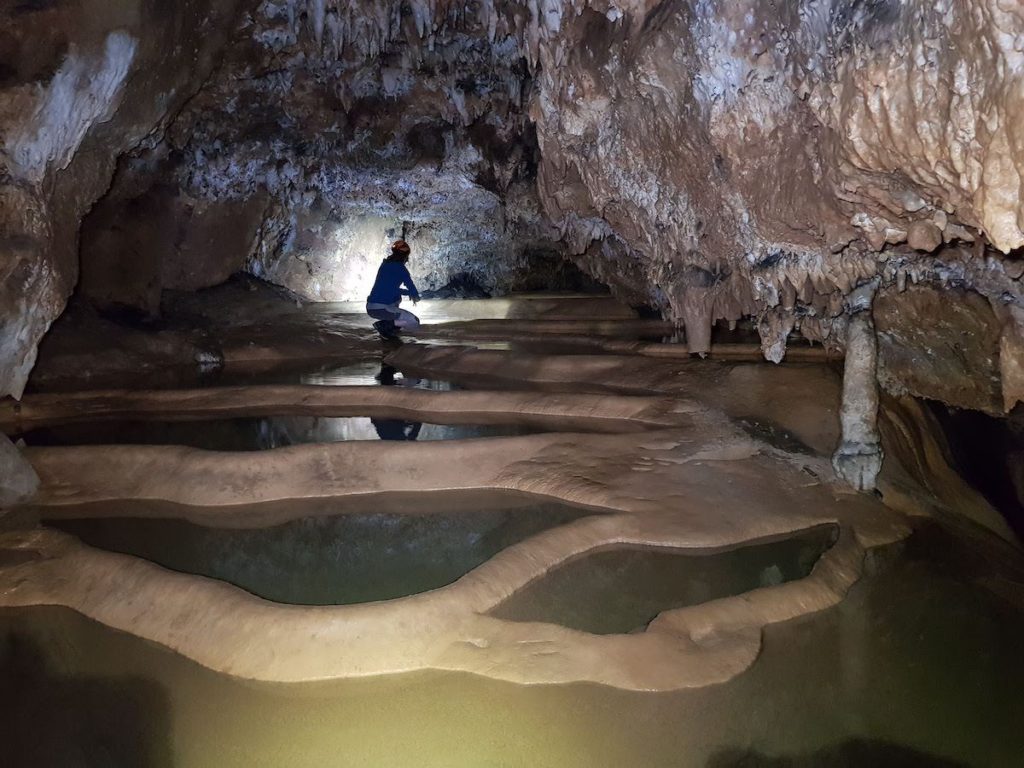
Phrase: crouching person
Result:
[392,283]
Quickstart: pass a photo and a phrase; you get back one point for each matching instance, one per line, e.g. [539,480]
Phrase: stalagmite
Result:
[859,456]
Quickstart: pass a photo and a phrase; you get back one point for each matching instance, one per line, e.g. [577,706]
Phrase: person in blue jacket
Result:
[392,283]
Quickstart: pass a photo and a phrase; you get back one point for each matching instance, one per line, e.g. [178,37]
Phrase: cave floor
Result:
[642,559]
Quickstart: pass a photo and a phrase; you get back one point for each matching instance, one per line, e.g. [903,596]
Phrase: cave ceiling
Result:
[714,160]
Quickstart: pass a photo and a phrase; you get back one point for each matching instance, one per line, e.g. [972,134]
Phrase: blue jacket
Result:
[387,288]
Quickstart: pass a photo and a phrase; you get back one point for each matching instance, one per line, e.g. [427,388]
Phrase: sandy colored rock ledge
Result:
[602,413]
[671,488]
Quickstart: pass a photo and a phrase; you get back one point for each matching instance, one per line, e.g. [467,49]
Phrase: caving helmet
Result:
[401,247]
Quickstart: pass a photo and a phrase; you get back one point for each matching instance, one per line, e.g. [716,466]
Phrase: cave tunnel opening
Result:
[989,451]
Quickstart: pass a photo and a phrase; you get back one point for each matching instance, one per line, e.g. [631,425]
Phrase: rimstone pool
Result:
[345,553]
[507,384]
[590,559]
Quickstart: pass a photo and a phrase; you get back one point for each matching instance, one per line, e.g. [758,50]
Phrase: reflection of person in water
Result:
[394,429]
[387,375]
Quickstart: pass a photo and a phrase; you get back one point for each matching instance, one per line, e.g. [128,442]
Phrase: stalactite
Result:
[317,11]
[1011,354]
[774,328]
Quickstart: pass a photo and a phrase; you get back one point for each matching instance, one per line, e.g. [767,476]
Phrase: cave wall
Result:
[343,145]
[81,82]
[714,159]
[763,159]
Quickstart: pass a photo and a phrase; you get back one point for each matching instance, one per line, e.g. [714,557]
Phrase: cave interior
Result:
[705,446]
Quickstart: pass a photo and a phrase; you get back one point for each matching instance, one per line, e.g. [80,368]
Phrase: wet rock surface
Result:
[326,568]
[819,201]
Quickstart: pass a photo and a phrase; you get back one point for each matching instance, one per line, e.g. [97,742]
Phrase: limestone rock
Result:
[924,236]
[1011,357]
[82,82]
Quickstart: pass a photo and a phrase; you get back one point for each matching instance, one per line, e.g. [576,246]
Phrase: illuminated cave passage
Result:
[707,449]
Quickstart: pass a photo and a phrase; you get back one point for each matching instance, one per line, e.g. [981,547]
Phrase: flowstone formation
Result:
[716,160]
[643,479]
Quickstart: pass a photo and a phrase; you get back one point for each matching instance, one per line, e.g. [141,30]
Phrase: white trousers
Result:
[406,320]
[402,318]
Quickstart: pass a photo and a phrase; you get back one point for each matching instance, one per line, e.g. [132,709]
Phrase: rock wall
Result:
[80,82]
[349,137]
[763,159]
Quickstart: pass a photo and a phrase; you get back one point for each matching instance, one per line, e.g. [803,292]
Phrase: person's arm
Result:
[409,284]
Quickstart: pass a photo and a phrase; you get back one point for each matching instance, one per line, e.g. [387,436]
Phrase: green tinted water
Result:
[362,555]
[623,589]
[920,665]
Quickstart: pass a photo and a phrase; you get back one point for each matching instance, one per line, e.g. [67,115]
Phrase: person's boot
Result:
[385,329]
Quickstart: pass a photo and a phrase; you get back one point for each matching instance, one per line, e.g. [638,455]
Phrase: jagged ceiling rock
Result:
[351,136]
[926,104]
[758,154]
[80,82]
[764,159]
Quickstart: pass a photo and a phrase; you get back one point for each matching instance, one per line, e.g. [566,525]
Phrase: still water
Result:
[621,590]
[356,557]
[261,433]
[920,666]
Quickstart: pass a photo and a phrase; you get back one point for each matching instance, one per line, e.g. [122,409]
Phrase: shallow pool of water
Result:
[621,590]
[368,373]
[262,433]
[919,666]
[358,554]
[349,372]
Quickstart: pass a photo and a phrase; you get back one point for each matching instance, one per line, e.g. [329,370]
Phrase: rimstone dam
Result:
[507,384]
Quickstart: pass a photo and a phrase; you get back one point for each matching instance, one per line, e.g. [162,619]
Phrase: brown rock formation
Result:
[82,82]
[715,160]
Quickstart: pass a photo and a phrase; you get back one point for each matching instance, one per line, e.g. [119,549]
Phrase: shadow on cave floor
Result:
[856,753]
[52,720]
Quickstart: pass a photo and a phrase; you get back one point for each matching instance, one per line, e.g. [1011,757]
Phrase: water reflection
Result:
[394,429]
[361,553]
[387,375]
[260,434]
[368,373]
